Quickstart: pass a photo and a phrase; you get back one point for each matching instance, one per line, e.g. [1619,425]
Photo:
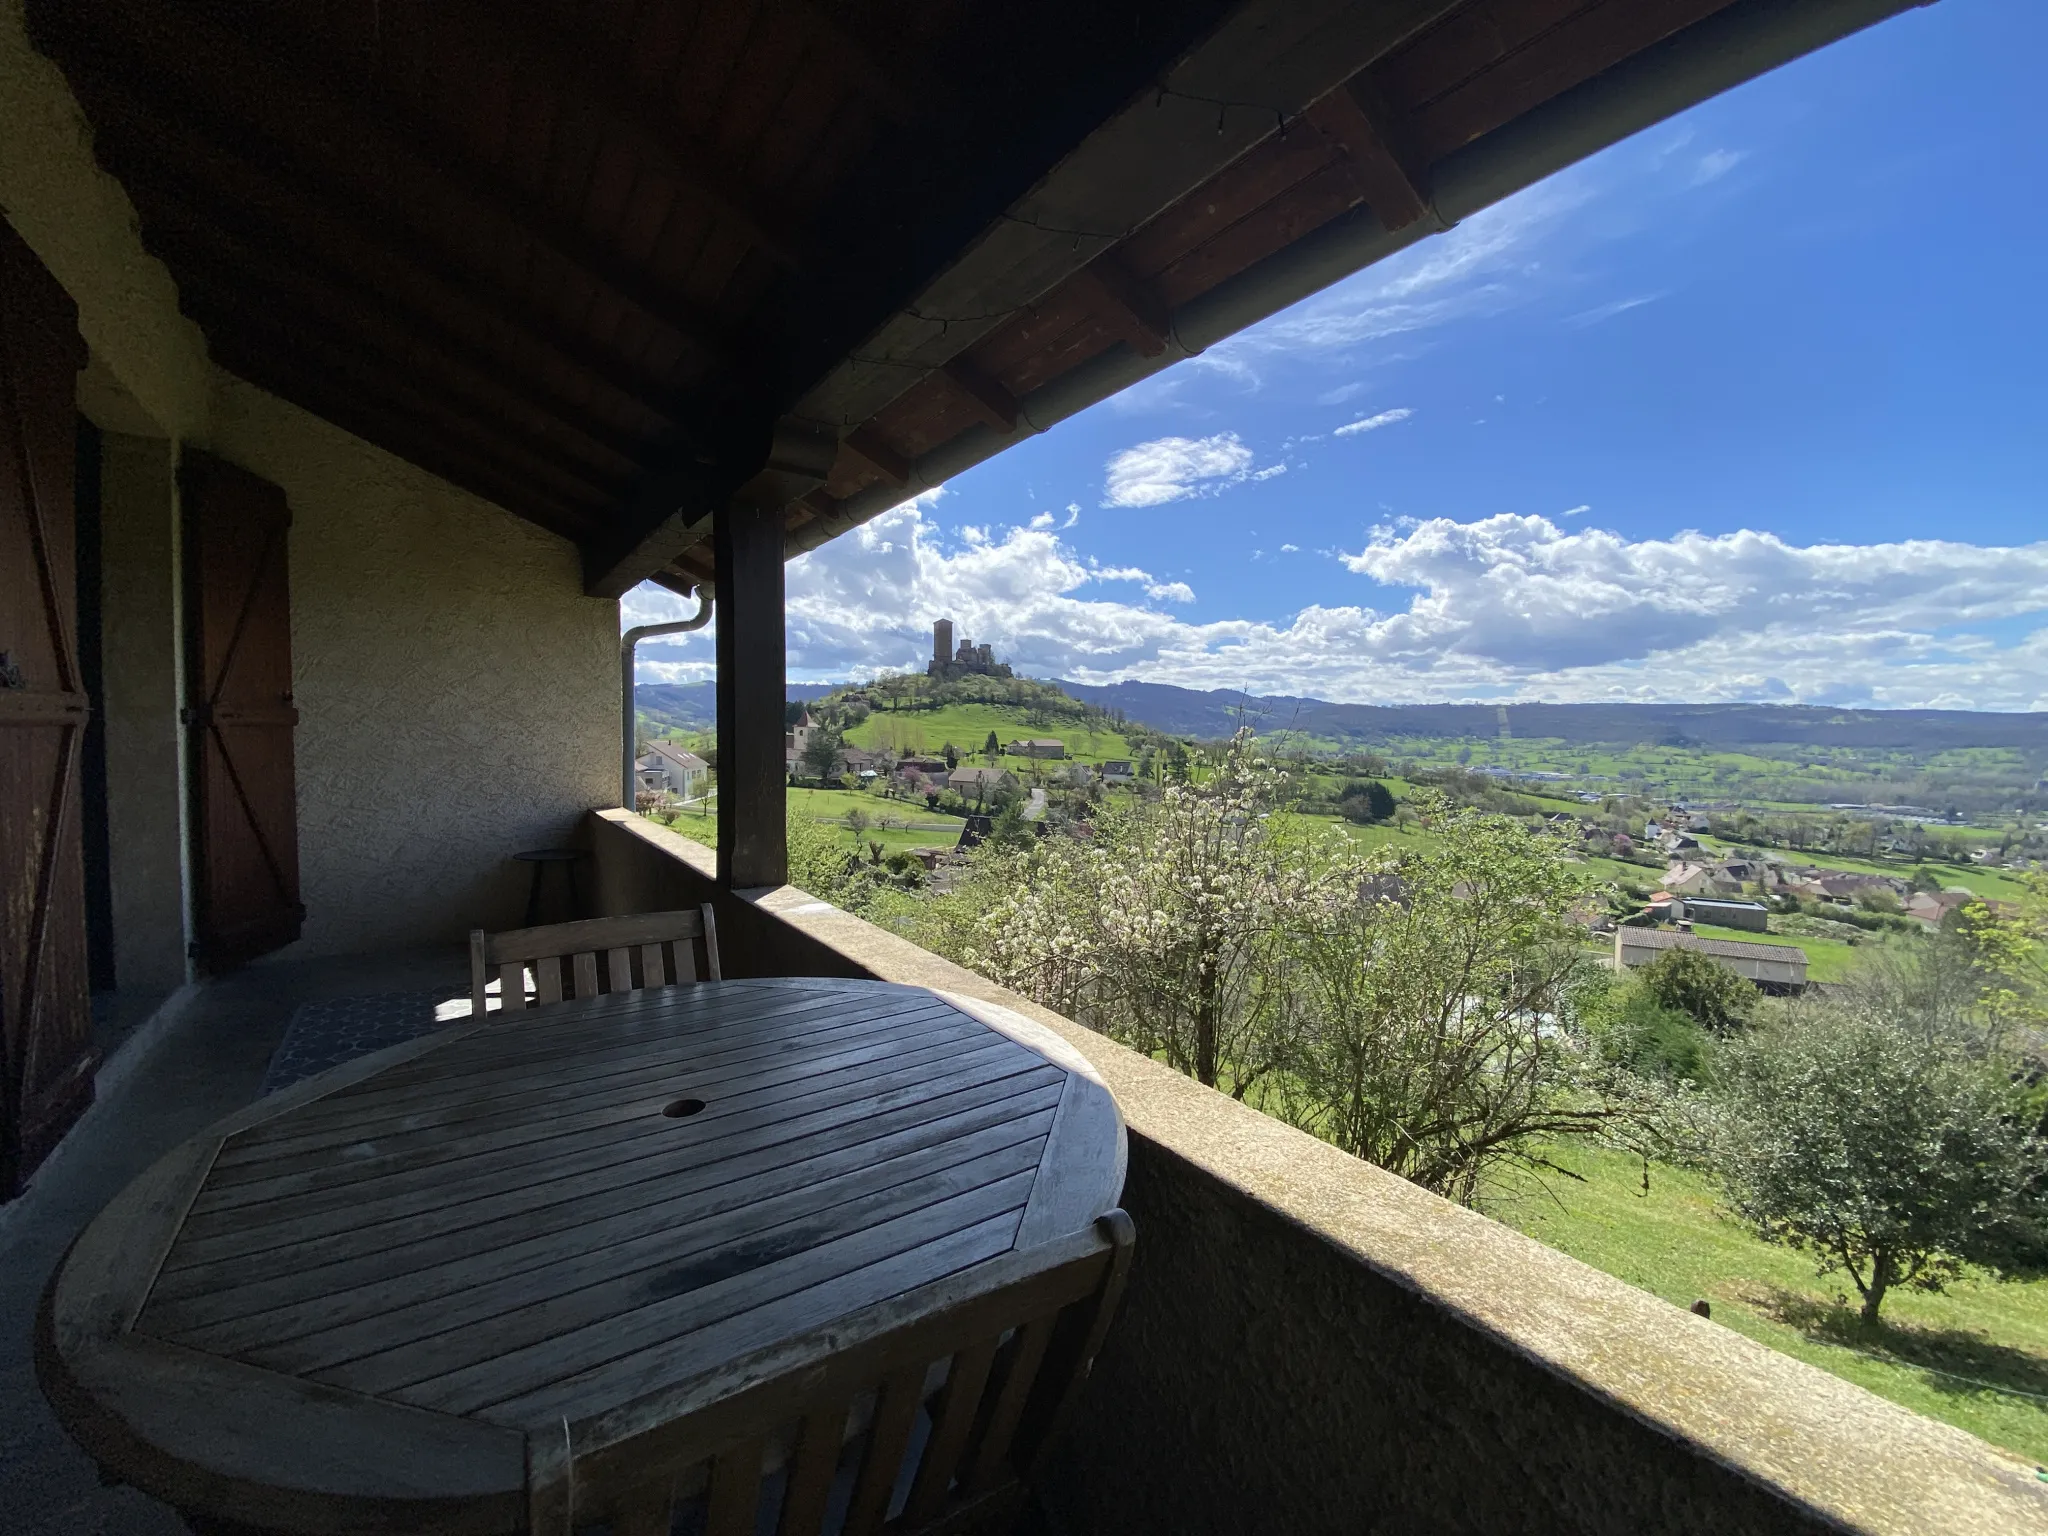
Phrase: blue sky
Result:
[1748,407]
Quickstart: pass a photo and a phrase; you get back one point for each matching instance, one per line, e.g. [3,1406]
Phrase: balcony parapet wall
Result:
[1312,1344]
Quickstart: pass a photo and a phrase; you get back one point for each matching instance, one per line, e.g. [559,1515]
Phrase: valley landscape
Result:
[1862,841]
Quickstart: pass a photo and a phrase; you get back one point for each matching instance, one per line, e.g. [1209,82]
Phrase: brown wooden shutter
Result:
[238,653]
[45,1014]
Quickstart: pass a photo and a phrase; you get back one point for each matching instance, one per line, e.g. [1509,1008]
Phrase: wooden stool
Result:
[540,859]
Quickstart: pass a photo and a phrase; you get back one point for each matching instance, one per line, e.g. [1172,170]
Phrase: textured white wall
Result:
[457,692]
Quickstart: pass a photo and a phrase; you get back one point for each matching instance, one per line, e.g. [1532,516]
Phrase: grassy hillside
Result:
[967,726]
[1976,1358]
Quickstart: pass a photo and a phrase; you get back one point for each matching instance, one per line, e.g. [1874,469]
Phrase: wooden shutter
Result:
[45,1013]
[238,652]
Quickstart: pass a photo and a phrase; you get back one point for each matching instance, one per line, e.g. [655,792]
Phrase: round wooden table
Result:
[349,1306]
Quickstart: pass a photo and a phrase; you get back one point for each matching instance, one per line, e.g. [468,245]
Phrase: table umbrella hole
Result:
[682,1108]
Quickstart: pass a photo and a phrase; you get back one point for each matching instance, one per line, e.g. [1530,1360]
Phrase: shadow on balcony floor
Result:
[209,1061]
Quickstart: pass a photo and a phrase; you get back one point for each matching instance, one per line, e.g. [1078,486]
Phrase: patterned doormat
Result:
[326,1034]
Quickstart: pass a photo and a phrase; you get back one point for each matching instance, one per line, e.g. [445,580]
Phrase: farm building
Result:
[1773,967]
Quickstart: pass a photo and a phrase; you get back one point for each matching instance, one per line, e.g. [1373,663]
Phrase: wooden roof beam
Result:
[137,41]
[328,230]
[1126,305]
[854,59]
[673,512]
[1353,118]
[192,241]
[592,80]
[226,316]
[869,446]
[994,404]
[398,433]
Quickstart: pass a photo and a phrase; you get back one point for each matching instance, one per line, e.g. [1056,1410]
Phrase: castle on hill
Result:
[969,660]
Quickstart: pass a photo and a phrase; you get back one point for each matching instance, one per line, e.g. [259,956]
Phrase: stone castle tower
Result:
[949,661]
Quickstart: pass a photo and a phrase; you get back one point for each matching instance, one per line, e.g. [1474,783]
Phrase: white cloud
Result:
[1339,395]
[1290,549]
[1715,164]
[1608,311]
[1374,423]
[1173,469]
[1042,520]
[1505,607]
[1579,511]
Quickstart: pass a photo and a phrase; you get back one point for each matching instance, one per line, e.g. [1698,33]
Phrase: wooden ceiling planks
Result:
[594,244]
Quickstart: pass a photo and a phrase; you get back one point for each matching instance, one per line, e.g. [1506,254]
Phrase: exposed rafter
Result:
[134,41]
[594,81]
[994,404]
[1350,117]
[226,316]
[323,225]
[412,342]
[1126,305]
[869,446]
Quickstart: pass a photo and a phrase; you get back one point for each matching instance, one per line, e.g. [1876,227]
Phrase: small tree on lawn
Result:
[992,748]
[1703,989]
[1889,1155]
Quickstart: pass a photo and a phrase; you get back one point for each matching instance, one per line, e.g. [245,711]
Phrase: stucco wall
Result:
[457,692]
[140,658]
[1309,1344]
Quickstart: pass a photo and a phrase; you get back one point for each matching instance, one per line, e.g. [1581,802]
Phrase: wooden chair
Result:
[650,949]
[925,1414]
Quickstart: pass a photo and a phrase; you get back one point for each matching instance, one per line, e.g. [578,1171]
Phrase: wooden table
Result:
[352,1303]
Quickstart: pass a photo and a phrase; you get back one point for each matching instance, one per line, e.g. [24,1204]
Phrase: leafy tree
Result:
[1422,1004]
[952,756]
[1701,988]
[856,821]
[1888,1155]
[821,753]
[992,748]
[1366,801]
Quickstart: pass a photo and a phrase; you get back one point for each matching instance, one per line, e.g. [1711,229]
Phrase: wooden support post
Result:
[753,844]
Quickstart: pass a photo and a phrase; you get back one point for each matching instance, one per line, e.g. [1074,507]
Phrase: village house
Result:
[978,784]
[1037,746]
[357,361]
[1118,771]
[1722,913]
[671,770]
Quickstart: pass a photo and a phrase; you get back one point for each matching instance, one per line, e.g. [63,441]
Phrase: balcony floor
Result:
[209,1061]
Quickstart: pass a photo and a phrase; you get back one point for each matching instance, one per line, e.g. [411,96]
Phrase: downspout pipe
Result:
[1737,44]
[628,774]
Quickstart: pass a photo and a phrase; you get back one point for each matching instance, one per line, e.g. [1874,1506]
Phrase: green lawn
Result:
[1672,1242]
[1826,959]
[828,807]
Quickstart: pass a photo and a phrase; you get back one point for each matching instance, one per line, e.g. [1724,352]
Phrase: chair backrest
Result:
[603,954]
[926,1412]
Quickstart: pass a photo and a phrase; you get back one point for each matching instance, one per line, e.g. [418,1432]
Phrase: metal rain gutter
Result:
[1733,46]
[628,772]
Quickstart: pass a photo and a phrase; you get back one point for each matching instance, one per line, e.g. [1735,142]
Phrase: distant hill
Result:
[694,706]
[1186,712]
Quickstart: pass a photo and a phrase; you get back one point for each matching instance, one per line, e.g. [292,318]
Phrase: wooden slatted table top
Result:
[373,1286]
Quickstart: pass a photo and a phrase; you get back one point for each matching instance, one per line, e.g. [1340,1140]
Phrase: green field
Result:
[1976,1358]
[966,727]
[1826,959]
[828,807]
